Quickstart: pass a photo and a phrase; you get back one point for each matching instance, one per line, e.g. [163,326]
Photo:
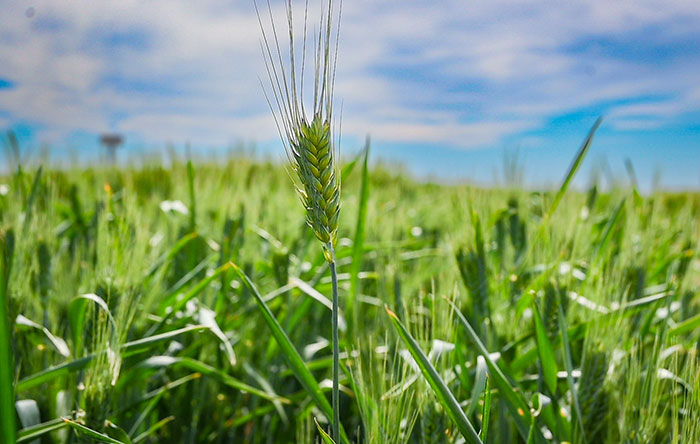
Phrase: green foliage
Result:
[133,326]
[437,384]
[592,392]
[7,398]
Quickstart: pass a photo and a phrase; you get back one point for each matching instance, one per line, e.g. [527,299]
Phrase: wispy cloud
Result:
[457,74]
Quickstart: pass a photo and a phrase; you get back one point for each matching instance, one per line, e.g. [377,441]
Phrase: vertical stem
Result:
[193,201]
[7,392]
[336,349]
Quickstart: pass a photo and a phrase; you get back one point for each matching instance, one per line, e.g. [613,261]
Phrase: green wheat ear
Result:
[308,140]
[314,162]
[593,394]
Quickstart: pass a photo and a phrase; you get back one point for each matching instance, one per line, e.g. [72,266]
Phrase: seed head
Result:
[308,141]
[314,162]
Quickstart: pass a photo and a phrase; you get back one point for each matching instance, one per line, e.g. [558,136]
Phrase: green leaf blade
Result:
[545,351]
[8,431]
[516,405]
[442,392]
[358,243]
[291,355]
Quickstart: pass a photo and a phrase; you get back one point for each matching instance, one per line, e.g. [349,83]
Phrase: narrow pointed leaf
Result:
[574,167]
[481,375]
[442,392]
[486,413]
[326,437]
[116,432]
[686,326]
[358,243]
[56,342]
[77,364]
[291,354]
[568,362]
[29,434]
[546,351]
[209,371]
[8,432]
[154,428]
[30,202]
[88,432]
[515,403]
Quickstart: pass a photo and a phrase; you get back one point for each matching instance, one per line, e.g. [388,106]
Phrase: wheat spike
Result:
[314,162]
[593,394]
[308,141]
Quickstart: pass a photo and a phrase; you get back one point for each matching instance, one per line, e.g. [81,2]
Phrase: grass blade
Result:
[358,244]
[31,433]
[612,222]
[207,317]
[267,387]
[56,342]
[207,370]
[8,431]
[291,354]
[326,437]
[193,201]
[77,364]
[76,316]
[486,413]
[574,167]
[154,397]
[545,350]
[169,255]
[516,405]
[116,432]
[349,167]
[481,375]
[316,295]
[30,202]
[531,434]
[202,285]
[568,362]
[442,392]
[97,436]
[686,326]
[154,428]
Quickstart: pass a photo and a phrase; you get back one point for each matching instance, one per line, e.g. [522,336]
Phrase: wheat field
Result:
[191,303]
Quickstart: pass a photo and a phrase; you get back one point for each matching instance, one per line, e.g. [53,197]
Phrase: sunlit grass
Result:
[174,346]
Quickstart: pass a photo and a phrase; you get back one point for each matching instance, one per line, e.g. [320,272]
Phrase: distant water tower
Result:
[111,142]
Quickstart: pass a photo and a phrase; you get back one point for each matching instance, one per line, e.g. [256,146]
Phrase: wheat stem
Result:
[336,348]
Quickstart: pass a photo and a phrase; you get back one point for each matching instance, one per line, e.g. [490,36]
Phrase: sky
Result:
[450,90]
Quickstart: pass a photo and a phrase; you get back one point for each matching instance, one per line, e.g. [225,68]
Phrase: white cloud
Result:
[212,129]
[455,73]
[440,132]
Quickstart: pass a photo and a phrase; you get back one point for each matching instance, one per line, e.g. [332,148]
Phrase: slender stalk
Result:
[336,348]
[7,393]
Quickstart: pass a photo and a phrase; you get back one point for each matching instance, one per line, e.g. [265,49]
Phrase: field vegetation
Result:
[191,303]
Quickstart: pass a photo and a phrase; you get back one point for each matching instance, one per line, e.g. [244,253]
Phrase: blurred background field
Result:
[126,318]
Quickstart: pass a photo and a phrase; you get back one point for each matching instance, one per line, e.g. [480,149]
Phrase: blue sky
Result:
[448,89]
